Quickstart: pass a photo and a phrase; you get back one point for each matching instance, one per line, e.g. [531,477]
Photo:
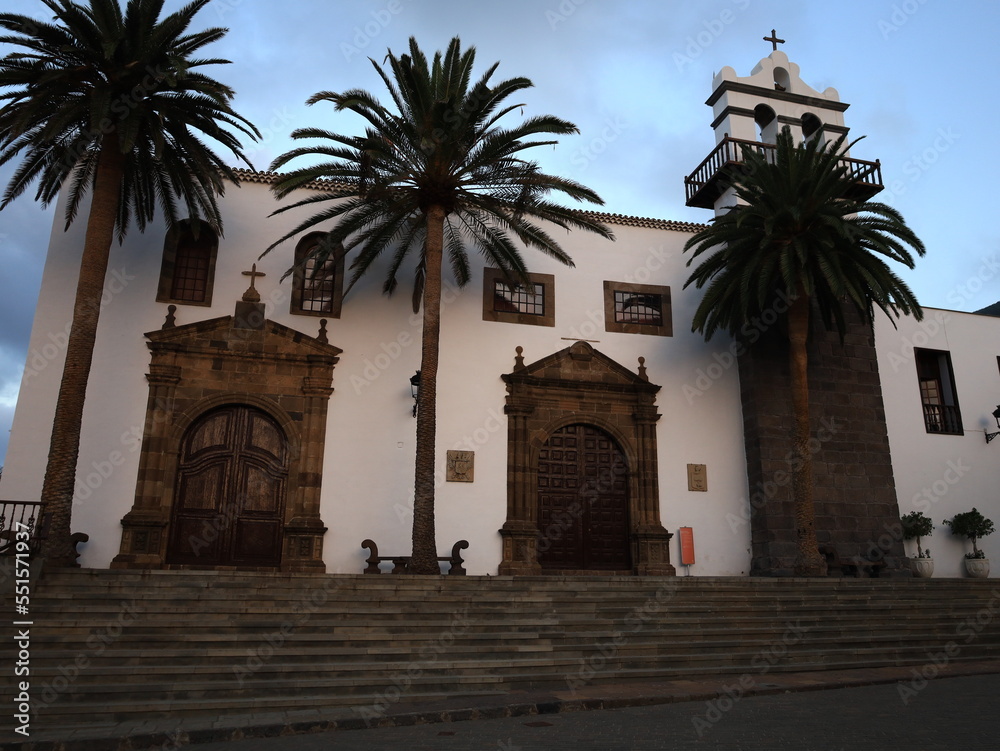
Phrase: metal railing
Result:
[20,516]
[943,418]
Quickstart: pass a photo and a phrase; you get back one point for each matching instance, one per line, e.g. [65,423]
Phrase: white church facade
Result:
[580,422]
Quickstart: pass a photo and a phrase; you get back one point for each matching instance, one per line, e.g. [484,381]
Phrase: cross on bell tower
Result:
[773,39]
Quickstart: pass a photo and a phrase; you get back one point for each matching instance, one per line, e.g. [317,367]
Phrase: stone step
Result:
[206,700]
[194,581]
[345,640]
[391,623]
[493,598]
[370,668]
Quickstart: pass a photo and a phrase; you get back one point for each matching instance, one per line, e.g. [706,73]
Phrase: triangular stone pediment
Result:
[224,335]
[581,363]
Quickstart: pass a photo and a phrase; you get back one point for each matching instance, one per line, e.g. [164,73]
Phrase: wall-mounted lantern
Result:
[415,391]
[991,436]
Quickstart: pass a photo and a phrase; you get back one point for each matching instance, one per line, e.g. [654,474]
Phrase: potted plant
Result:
[916,525]
[973,525]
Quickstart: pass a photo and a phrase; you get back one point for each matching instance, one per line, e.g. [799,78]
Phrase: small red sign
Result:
[687,546]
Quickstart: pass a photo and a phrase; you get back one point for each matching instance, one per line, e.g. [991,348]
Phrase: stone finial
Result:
[252,295]
[250,311]
[581,350]
[642,369]
[519,359]
[321,336]
[171,320]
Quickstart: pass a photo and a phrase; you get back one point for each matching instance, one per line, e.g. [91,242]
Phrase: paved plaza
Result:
[947,714]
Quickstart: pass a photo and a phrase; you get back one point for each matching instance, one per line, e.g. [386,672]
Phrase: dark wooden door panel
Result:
[582,501]
[230,500]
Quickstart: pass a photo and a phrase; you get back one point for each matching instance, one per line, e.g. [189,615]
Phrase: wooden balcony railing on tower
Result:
[714,175]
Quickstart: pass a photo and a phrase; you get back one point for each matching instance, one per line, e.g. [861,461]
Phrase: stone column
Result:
[650,541]
[143,542]
[520,531]
[303,535]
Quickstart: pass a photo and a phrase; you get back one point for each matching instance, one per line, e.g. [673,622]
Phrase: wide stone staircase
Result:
[110,646]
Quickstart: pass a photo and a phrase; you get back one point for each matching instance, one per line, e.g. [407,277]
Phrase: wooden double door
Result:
[229,502]
[583,502]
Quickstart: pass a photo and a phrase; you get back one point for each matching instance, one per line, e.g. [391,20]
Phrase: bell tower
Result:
[750,111]
[854,493]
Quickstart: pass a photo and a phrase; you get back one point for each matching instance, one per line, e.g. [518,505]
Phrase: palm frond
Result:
[795,228]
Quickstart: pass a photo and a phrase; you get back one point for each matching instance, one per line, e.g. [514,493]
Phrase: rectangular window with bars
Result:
[519,298]
[631,307]
[528,301]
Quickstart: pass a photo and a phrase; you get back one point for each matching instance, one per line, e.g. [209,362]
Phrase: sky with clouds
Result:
[921,77]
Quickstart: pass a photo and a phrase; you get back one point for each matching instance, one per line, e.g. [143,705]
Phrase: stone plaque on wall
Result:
[697,477]
[460,466]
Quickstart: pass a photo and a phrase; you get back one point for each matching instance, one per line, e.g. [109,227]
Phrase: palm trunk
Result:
[64,448]
[808,562]
[424,557]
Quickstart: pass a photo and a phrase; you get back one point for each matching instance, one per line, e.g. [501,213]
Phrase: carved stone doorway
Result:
[574,391]
[237,413]
[583,502]
[231,484]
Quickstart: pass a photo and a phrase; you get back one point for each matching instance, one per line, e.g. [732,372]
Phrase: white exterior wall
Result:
[939,474]
[368,470]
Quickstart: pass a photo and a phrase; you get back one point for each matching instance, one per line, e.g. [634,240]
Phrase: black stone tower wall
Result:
[854,491]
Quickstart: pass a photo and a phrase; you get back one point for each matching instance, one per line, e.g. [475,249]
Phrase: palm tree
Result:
[432,176]
[109,103]
[795,231]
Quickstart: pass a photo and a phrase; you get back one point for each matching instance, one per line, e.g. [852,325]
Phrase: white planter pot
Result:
[978,568]
[922,568]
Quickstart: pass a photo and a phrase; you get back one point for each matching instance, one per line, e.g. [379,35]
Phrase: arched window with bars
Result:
[187,273]
[317,278]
